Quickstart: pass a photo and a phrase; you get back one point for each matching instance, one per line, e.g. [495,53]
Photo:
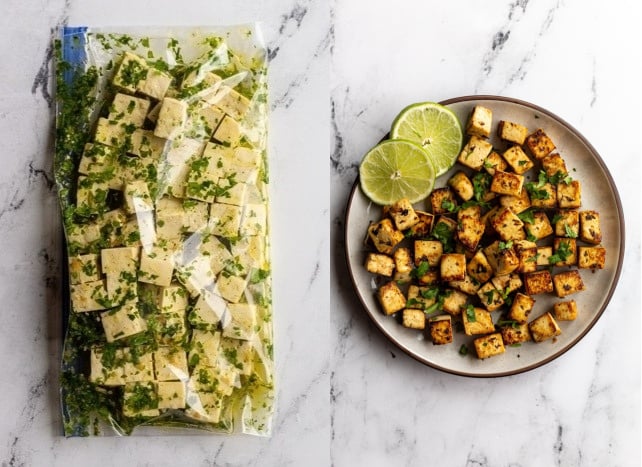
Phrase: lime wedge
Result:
[396,169]
[433,126]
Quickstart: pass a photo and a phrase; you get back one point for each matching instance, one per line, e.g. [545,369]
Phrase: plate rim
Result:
[588,327]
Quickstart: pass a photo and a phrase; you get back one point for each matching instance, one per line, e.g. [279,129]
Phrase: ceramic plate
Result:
[598,193]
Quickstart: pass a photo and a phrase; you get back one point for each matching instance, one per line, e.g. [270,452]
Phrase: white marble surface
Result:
[296,34]
[577,59]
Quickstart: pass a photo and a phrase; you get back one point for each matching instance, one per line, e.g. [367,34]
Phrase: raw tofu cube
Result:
[235,194]
[507,183]
[202,78]
[454,301]
[520,308]
[122,322]
[131,70]
[477,321]
[122,287]
[170,364]
[84,268]
[228,132]
[478,268]
[590,230]
[137,197]
[461,185]
[567,249]
[171,395]
[254,221]
[512,132]
[508,225]
[234,104]
[538,282]
[140,399]
[249,252]
[518,160]
[421,297]
[507,283]
[171,118]
[172,299]
[403,214]
[495,162]
[176,164]
[391,298]
[490,297]
[480,121]
[544,327]
[453,267]
[540,227]
[565,311]
[403,264]
[170,328]
[156,266]
[208,311]
[204,406]
[429,251]
[204,347]
[470,230]
[243,321]
[146,145]
[441,329]
[554,165]
[567,283]
[501,257]
[230,287]
[468,286]
[517,204]
[128,110]
[202,122]
[91,195]
[196,215]
[225,219]
[155,84]
[475,152]
[89,296]
[202,181]
[592,257]
[140,368]
[539,144]
[424,226]
[567,223]
[442,201]
[489,346]
[378,263]
[111,133]
[515,334]
[102,374]
[569,195]
[219,256]
[543,195]
[97,159]
[413,318]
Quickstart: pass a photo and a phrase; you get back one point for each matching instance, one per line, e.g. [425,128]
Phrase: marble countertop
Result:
[339,72]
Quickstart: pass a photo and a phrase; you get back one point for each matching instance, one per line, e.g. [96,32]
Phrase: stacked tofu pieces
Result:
[169,244]
[488,243]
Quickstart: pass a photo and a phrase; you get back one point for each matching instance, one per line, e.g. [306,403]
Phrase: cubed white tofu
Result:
[108,373]
[232,103]
[89,296]
[172,299]
[234,195]
[110,133]
[146,145]
[238,354]
[97,159]
[225,219]
[131,70]
[230,287]
[115,260]
[137,197]
[171,118]
[156,266]
[170,364]
[84,268]
[208,311]
[175,166]
[254,220]
[216,251]
[203,121]
[128,110]
[91,195]
[243,321]
[204,347]
[155,84]
[140,399]
[228,132]
[122,322]
[140,368]
[171,395]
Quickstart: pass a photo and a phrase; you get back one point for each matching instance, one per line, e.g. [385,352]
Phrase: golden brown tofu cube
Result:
[413,319]
[442,201]
[544,196]
[565,311]
[477,321]
[468,286]
[470,230]
[517,204]
[461,185]
[480,122]
[508,225]
[403,260]
[495,162]
[441,329]
[527,258]
[512,132]
[489,346]
[479,268]
[423,227]
[539,144]
[591,257]
[421,297]
[567,223]
[521,308]
[490,297]
[384,236]
[391,298]
[452,267]
[378,263]
[567,283]
[428,251]
[540,227]
[454,301]
[554,165]
[518,160]
[501,257]
[590,230]
[538,282]
[507,283]
[544,327]
[569,195]
[515,333]
[507,183]
[403,214]
[474,153]
[431,277]
[566,249]
[543,255]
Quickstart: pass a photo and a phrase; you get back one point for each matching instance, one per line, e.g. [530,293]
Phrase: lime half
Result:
[433,126]
[396,169]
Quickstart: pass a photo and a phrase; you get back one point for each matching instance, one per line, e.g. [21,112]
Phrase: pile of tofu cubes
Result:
[491,241]
[173,220]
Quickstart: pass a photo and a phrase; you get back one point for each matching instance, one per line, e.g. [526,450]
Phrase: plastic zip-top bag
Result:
[161,169]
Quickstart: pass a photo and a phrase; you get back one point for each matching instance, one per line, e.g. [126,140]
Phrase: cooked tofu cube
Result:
[521,307]
[566,248]
[155,84]
[543,196]
[122,322]
[475,152]
[501,257]
[429,251]
[391,298]
[538,282]
[84,268]
[171,118]
[423,227]
[441,329]
[470,230]
[544,327]
[469,286]
[403,264]
[228,132]
[384,236]
[507,283]
[452,267]
[590,230]
[569,195]
[403,214]
[508,225]
[421,297]
[413,318]
[517,204]
[378,263]
[593,257]
[489,346]
[567,283]
[156,266]
[515,334]
[478,268]
[477,321]
[171,395]
[490,297]
[431,277]
[554,165]
[527,256]
[540,227]
[539,144]
[518,160]
[495,162]
[565,311]
[442,201]
[461,185]
[512,132]
[131,70]
[480,122]
[543,255]
[507,183]
[140,399]
[454,301]
[567,223]
[445,227]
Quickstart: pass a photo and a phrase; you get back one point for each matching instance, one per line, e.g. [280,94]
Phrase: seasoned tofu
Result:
[403,214]
[591,257]
[461,184]
[540,227]
[518,160]
[489,346]
[590,230]
[566,249]
[565,311]
[454,301]
[569,195]
[378,263]
[470,230]
[479,268]
[490,297]
[567,283]
[554,165]
[507,283]
[508,225]
[421,297]
[469,286]
[442,201]
[477,321]
[512,132]
[431,277]
[543,196]
[507,183]
[429,251]
[517,204]
[501,257]
[423,227]
[544,327]
[441,329]
[543,255]
[171,118]
[495,162]
[527,253]
[538,282]
[384,236]
[567,223]
[515,333]
[474,153]
[404,264]
[539,144]
[480,122]
[521,308]
[413,318]
[391,298]
[452,267]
